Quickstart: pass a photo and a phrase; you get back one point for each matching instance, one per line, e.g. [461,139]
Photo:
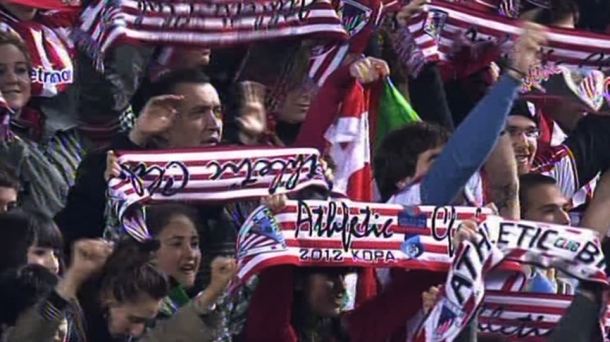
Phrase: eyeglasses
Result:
[530,133]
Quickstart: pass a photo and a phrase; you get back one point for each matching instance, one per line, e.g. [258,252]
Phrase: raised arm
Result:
[475,138]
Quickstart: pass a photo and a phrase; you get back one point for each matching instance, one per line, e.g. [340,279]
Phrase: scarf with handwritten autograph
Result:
[207,175]
[207,23]
[446,29]
[327,233]
[577,252]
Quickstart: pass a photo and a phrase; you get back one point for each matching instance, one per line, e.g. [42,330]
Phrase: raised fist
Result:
[88,258]
[465,231]
[527,47]
[429,298]
[223,271]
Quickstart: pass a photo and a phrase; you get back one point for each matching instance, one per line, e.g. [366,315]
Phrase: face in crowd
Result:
[44,256]
[542,200]
[128,319]
[179,255]
[323,291]
[193,58]
[199,117]
[8,198]
[524,136]
[15,82]
[296,103]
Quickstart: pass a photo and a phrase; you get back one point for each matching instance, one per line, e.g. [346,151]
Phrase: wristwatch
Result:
[201,310]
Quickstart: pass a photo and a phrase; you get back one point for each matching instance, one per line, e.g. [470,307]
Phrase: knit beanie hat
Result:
[526,109]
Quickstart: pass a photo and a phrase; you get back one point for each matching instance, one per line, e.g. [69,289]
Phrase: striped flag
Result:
[349,145]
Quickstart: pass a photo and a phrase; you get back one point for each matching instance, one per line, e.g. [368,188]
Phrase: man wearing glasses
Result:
[575,164]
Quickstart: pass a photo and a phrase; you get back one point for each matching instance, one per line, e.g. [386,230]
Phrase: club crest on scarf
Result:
[412,247]
[448,318]
[434,23]
[260,234]
[354,16]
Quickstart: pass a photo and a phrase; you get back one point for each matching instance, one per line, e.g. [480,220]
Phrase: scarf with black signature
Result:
[576,252]
[206,24]
[207,175]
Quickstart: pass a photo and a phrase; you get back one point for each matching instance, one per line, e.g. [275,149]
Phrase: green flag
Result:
[394,112]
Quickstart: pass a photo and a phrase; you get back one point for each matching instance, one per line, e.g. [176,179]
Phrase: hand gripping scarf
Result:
[207,175]
[444,28]
[576,252]
[50,52]
[207,24]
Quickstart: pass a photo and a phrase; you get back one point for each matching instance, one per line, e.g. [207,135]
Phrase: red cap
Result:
[48,4]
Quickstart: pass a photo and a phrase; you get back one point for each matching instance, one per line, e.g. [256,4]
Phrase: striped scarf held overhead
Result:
[445,28]
[51,54]
[202,23]
[207,175]
[576,252]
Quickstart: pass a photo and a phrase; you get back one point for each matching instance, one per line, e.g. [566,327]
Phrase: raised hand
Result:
[465,231]
[112,166]
[156,117]
[527,47]
[429,298]
[88,258]
[413,8]
[223,271]
[275,202]
[253,119]
[369,69]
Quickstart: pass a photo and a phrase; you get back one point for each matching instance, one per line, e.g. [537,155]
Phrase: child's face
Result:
[44,256]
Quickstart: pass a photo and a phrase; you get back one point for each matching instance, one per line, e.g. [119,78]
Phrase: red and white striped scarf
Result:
[203,23]
[51,54]
[444,27]
[576,252]
[362,234]
[360,18]
[520,316]
[207,175]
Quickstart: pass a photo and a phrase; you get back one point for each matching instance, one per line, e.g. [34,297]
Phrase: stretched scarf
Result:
[521,316]
[52,69]
[202,23]
[207,175]
[328,233]
[445,28]
[577,252]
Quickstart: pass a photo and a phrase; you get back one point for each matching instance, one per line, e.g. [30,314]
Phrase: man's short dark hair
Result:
[559,10]
[396,156]
[528,182]
[166,84]
[8,177]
